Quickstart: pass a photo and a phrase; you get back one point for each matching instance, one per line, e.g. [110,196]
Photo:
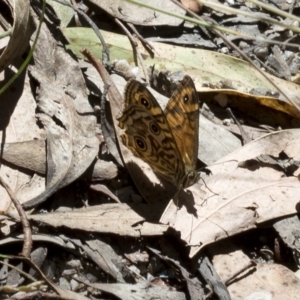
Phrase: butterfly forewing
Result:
[182,113]
[148,135]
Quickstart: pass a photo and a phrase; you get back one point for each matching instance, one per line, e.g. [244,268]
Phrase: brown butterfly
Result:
[166,140]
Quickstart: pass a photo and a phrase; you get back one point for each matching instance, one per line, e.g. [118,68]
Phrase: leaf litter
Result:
[248,188]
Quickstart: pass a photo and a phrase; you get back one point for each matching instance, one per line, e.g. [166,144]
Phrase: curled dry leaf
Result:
[104,189]
[31,155]
[65,113]
[193,284]
[21,31]
[17,117]
[242,192]
[56,240]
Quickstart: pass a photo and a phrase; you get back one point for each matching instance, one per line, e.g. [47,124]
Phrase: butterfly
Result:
[166,140]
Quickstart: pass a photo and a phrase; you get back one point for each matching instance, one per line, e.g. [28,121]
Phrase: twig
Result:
[76,17]
[97,65]
[136,49]
[292,6]
[105,49]
[245,138]
[107,130]
[27,246]
[146,44]
[252,263]
[56,288]
[17,269]
[112,89]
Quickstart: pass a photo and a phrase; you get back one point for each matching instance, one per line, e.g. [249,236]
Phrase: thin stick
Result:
[17,269]
[105,51]
[135,47]
[146,44]
[252,263]
[245,138]
[27,246]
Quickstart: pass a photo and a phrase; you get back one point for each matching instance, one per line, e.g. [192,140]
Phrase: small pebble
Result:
[64,283]
[227,122]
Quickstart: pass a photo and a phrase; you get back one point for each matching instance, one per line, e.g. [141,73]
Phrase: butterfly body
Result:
[167,140]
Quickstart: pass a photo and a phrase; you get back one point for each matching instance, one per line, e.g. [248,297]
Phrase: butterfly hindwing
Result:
[182,113]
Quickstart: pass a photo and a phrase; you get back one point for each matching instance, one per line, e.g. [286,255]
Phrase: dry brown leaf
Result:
[31,155]
[104,189]
[238,198]
[193,284]
[212,137]
[69,123]
[138,15]
[17,116]
[65,114]
[105,257]
[107,218]
[264,281]
[37,238]
[288,230]
[270,281]
[138,256]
